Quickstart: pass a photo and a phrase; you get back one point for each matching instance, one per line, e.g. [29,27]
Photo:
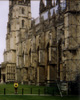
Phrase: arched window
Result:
[22,23]
[22,10]
[29,57]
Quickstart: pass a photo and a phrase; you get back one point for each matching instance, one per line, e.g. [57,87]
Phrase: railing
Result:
[25,91]
[30,90]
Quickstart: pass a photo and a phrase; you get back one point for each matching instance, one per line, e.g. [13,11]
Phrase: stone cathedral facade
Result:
[44,49]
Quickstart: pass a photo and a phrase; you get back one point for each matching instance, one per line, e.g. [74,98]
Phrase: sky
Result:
[4,10]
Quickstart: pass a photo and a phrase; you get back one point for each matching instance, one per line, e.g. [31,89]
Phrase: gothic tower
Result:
[19,19]
[71,34]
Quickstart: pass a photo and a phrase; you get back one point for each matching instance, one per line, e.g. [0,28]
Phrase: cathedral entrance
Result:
[40,75]
[51,73]
[4,78]
[51,66]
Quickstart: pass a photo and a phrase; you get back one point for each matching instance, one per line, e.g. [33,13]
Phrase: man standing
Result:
[15,86]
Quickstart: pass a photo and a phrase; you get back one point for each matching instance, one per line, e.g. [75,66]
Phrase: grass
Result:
[24,97]
[27,89]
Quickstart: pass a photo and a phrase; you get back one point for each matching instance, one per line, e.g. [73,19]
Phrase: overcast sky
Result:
[4,10]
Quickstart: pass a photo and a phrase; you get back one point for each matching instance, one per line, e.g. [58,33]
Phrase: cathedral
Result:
[44,49]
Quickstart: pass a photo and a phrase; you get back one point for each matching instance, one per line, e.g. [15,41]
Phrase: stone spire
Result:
[49,3]
[42,6]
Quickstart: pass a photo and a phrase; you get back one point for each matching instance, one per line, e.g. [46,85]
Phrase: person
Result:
[15,86]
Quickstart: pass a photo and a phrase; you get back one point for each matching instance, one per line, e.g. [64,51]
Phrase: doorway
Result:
[4,78]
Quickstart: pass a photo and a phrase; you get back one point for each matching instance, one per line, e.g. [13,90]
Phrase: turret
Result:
[49,3]
[42,6]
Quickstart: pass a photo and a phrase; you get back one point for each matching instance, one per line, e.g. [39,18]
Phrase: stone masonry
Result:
[45,49]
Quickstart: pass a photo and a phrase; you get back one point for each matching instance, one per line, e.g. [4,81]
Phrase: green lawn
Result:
[18,97]
[27,89]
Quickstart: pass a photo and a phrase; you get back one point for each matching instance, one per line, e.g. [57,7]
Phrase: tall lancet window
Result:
[22,23]
[22,10]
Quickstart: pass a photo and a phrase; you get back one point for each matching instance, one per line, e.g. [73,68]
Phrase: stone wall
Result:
[47,48]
